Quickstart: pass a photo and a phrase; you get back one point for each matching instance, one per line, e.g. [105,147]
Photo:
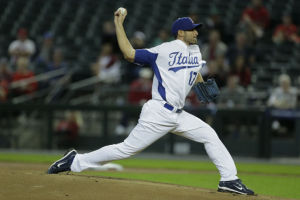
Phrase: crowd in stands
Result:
[230,59]
[30,65]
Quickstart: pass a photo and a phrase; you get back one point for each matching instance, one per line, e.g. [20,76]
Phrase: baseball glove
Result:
[207,91]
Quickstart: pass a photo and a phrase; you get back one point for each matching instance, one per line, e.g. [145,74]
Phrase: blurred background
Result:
[64,83]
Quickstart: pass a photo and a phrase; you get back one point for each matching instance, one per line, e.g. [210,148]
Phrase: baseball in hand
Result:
[122,11]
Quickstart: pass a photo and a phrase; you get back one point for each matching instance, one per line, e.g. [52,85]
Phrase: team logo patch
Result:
[176,58]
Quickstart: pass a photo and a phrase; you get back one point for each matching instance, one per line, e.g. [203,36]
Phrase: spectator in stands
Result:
[67,130]
[139,93]
[214,22]
[286,32]
[46,50]
[22,47]
[23,73]
[138,39]
[241,48]
[215,49]
[232,95]
[60,76]
[108,66]
[255,19]
[5,79]
[163,36]
[241,70]
[284,96]
[56,64]
[45,54]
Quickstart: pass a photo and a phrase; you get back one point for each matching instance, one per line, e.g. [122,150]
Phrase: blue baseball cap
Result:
[185,24]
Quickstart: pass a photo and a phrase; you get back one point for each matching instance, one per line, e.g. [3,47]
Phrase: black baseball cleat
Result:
[63,164]
[235,186]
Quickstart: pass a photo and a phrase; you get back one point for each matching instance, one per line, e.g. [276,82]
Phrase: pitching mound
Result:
[29,181]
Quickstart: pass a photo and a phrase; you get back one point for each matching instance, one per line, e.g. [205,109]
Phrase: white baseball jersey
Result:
[176,66]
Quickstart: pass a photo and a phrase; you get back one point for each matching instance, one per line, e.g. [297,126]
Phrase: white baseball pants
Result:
[156,121]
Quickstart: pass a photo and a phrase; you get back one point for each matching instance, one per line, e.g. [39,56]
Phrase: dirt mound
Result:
[29,181]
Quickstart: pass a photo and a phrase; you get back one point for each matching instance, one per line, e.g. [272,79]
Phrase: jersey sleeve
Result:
[145,56]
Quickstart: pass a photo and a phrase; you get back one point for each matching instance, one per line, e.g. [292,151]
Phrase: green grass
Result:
[203,165]
[28,158]
[265,179]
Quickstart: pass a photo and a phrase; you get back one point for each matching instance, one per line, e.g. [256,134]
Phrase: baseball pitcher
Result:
[176,67]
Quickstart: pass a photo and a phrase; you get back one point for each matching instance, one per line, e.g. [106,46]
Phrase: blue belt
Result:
[171,108]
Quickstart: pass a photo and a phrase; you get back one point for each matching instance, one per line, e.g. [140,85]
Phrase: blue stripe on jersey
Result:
[161,88]
[143,56]
[175,69]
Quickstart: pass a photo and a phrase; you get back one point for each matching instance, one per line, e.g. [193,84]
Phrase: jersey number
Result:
[193,76]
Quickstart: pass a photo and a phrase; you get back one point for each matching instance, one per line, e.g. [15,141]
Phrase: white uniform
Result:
[175,67]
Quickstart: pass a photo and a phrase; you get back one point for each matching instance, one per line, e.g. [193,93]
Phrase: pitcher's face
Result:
[190,37]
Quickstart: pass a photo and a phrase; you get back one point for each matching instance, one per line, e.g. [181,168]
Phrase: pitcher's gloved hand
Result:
[207,91]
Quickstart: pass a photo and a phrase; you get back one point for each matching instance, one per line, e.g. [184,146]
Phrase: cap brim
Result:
[198,25]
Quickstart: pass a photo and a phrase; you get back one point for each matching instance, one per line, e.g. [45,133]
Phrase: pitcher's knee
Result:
[211,135]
